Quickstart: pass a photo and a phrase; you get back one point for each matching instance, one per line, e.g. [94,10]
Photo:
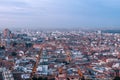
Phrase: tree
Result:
[2,47]
[40,78]
[13,53]
[34,78]
[117,78]
[45,78]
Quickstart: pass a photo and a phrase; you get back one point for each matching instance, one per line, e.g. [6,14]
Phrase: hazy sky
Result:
[59,13]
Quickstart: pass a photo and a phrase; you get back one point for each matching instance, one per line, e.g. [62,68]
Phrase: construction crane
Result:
[67,52]
[80,73]
[36,64]
[60,70]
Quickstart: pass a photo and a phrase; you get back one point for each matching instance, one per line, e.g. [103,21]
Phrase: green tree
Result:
[117,78]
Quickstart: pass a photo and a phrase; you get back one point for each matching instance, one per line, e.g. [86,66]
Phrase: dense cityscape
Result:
[59,55]
[59,40]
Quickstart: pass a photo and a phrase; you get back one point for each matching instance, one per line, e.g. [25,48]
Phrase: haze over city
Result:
[59,13]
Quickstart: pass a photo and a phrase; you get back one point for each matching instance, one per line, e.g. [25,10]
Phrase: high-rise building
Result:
[6,33]
[6,37]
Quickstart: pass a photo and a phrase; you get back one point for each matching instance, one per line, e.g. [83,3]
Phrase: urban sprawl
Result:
[59,55]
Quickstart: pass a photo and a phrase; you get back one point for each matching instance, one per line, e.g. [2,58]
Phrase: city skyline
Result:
[59,13]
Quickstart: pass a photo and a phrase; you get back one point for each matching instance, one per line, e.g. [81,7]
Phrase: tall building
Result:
[6,37]
[6,33]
